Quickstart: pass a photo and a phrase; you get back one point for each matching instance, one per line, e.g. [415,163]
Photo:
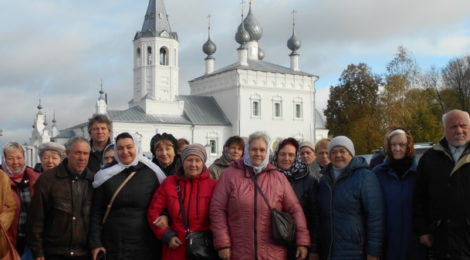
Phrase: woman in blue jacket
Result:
[351,206]
[397,177]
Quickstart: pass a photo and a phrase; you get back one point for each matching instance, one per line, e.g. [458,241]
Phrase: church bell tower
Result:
[156,65]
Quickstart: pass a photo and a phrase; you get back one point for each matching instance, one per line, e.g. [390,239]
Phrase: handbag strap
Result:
[110,204]
[183,212]
[261,191]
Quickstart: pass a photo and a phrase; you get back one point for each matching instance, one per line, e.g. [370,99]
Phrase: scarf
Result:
[247,160]
[297,167]
[103,175]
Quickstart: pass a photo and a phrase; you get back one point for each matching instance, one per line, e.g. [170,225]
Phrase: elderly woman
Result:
[51,154]
[196,187]
[164,149]
[241,219]
[108,156]
[288,161]
[233,151]
[122,230]
[22,180]
[7,212]
[351,206]
[397,176]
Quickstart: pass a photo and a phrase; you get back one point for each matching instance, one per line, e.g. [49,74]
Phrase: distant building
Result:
[246,96]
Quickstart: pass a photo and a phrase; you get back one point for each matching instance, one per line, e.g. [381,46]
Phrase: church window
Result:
[255,108]
[163,56]
[213,146]
[298,111]
[277,110]
[149,55]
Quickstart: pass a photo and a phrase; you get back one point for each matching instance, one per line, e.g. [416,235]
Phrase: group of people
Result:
[98,199]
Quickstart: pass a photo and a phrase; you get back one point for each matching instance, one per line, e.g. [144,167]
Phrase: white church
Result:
[249,95]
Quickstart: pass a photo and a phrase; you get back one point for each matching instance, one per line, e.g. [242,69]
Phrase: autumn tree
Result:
[352,108]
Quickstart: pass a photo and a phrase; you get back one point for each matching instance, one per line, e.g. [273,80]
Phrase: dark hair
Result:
[100,119]
[289,140]
[159,137]
[123,135]
[181,142]
[235,140]
[410,150]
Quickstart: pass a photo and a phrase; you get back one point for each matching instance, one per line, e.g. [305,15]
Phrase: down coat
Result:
[351,213]
[400,240]
[196,193]
[240,218]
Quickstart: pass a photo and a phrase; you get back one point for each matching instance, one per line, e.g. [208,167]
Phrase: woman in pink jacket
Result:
[240,218]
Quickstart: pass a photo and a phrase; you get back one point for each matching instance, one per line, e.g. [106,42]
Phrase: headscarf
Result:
[298,165]
[246,154]
[4,160]
[105,174]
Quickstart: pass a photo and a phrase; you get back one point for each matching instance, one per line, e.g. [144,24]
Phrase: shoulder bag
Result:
[199,245]
[110,204]
[283,226]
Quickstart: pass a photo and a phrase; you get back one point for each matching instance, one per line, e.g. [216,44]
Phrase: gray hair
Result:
[70,142]
[259,135]
[13,145]
[100,119]
[53,147]
[446,115]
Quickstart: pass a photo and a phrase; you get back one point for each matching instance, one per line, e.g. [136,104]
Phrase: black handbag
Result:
[199,245]
[282,224]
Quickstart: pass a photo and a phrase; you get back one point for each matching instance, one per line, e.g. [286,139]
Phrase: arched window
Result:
[149,55]
[163,56]
[138,58]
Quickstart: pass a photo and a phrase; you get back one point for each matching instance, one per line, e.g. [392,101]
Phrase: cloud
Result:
[60,50]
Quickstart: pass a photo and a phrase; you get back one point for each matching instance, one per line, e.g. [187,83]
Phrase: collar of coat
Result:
[443,147]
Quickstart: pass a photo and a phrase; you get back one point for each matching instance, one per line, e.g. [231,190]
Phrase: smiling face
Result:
[235,151]
[258,151]
[457,127]
[286,157]
[50,159]
[126,150]
[340,157]
[193,166]
[398,144]
[15,160]
[164,153]
[307,155]
[99,132]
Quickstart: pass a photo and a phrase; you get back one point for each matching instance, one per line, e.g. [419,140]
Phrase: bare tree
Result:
[456,75]
[432,80]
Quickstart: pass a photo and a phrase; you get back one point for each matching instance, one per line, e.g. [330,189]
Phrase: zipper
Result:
[331,218]
[256,214]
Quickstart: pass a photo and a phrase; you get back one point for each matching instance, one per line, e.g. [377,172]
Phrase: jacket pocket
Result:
[63,205]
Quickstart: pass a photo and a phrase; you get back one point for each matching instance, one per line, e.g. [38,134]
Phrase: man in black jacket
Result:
[60,209]
[99,129]
[442,209]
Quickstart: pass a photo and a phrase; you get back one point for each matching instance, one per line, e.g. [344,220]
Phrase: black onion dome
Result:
[260,54]
[293,43]
[253,27]
[242,36]
[209,47]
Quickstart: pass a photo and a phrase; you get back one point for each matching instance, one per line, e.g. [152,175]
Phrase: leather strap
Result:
[110,204]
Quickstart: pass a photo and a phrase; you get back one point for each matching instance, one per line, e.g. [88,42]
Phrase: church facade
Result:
[249,95]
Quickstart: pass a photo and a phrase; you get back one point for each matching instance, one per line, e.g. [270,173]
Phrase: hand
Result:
[302,252]
[161,222]
[426,240]
[175,242]
[313,256]
[96,251]
[371,257]
[225,253]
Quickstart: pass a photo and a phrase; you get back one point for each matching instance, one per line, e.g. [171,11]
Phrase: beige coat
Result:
[7,210]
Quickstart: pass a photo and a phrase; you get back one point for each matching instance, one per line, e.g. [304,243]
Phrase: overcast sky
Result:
[59,50]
